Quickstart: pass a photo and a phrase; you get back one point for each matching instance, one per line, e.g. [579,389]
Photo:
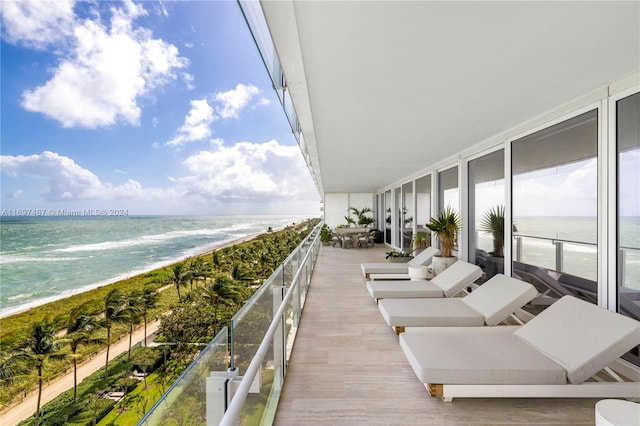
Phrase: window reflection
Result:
[555,200]
[486,213]
[628,147]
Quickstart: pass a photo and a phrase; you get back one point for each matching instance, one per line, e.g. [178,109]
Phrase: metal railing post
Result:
[559,255]
[518,249]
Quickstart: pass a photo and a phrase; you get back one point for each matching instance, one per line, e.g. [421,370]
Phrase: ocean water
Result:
[46,258]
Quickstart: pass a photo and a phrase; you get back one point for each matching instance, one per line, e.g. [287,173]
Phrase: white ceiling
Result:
[384,89]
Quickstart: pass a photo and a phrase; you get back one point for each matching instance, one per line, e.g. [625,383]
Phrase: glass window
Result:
[407,215]
[555,203]
[628,147]
[387,217]
[398,217]
[448,184]
[423,209]
[486,213]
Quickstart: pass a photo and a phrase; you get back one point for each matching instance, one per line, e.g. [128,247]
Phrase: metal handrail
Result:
[232,415]
[516,235]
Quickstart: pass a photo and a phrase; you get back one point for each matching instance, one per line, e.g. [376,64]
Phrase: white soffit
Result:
[384,89]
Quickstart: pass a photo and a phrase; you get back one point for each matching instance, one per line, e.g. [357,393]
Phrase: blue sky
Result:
[154,107]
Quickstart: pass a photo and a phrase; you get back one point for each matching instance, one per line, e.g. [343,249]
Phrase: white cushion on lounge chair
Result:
[456,277]
[581,337]
[423,258]
[573,333]
[439,312]
[447,284]
[500,297]
[403,289]
[491,304]
[486,355]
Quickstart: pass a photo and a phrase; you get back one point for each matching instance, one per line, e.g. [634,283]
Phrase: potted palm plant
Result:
[325,235]
[493,223]
[446,227]
[362,219]
[394,256]
[420,241]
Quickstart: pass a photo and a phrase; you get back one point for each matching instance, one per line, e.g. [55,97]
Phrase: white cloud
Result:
[105,69]
[234,100]
[266,173]
[229,104]
[37,24]
[196,124]
[248,178]
[16,194]
[65,179]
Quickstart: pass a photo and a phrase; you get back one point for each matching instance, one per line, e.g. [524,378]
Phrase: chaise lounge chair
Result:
[448,283]
[556,354]
[397,270]
[490,304]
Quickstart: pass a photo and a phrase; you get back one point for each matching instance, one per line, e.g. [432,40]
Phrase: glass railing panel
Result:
[291,321]
[580,260]
[535,251]
[250,323]
[204,392]
[191,399]
[262,401]
[256,401]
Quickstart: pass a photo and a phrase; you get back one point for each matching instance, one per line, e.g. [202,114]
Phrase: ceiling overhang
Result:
[384,89]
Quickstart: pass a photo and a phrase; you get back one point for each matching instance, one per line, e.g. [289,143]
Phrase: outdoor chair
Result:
[490,304]
[448,283]
[397,270]
[557,354]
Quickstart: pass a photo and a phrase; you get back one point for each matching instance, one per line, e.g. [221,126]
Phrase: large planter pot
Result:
[440,263]
[418,273]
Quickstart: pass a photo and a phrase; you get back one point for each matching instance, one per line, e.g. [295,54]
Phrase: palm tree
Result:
[114,304]
[41,346]
[131,314]
[178,276]
[147,301]
[220,293]
[241,273]
[80,329]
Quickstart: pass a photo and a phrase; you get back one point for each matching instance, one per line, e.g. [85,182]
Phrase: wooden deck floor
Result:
[347,367]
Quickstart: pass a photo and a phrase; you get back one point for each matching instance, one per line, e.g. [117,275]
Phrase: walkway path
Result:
[27,406]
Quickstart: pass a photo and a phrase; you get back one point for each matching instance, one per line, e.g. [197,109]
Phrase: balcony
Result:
[347,366]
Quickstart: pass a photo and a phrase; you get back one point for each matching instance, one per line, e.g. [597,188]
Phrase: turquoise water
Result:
[46,258]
